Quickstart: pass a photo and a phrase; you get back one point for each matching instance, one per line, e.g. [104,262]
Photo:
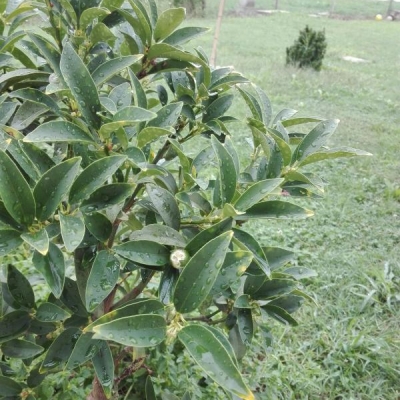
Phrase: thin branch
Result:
[217,30]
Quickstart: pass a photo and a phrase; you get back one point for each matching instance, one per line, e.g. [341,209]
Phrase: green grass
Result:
[347,347]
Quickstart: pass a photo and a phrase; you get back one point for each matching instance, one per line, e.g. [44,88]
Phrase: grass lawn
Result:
[347,347]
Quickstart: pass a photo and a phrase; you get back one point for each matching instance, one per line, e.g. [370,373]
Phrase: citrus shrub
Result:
[120,182]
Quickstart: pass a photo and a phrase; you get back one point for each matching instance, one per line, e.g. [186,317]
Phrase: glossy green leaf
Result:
[150,134]
[165,204]
[183,35]
[277,256]
[332,154]
[18,348]
[19,287]
[112,67]
[71,298]
[49,312]
[85,349]
[102,279]
[60,350]
[94,176]
[98,225]
[315,139]
[209,353]
[228,81]
[9,387]
[298,121]
[218,107]
[143,21]
[226,185]
[101,34]
[252,103]
[256,192]
[200,273]
[234,266]
[13,325]
[38,240]
[26,114]
[121,95]
[168,281]
[52,267]
[58,131]
[300,272]
[10,239]
[167,22]
[279,314]
[15,191]
[37,96]
[106,196]
[161,234]
[54,186]
[135,307]
[141,98]
[146,330]
[144,252]
[13,77]
[275,209]
[271,288]
[134,114]
[91,14]
[7,109]
[208,234]
[167,115]
[103,362]
[290,303]
[81,85]
[283,146]
[163,50]
[72,231]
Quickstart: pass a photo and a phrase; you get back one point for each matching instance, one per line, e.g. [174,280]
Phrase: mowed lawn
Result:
[348,345]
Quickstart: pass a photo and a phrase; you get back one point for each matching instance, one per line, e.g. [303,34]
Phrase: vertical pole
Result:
[217,29]
[276,4]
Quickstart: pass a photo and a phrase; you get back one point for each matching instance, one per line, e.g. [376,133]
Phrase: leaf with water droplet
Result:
[60,350]
[144,252]
[200,273]
[210,354]
[183,35]
[19,287]
[9,240]
[146,330]
[38,240]
[72,231]
[103,362]
[85,349]
[53,187]
[102,279]
[22,349]
[16,194]
[161,234]
[14,325]
[167,22]
[51,312]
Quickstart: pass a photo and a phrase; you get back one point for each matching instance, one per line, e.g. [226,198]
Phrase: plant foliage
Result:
[308,50]
[120,181]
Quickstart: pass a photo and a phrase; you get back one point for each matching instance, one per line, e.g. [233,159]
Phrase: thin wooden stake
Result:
[217,30]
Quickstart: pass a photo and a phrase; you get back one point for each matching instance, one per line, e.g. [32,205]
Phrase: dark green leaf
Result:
[81,85]
[161,234]
[106,196]
[90,14]
[168,281]
[167,115]
[15,191]
[226,185]
[279,314]
[163,50]
[71,298]
[39,158]
[17,348]
[149,388]
[139,331]
[102,279]
[208,234]
[167,22]
[210,354]
[20,288]
[103,363]
[60,350]
[98,225]
[298,121]
[121,96]
[94,176]
[9,388]
[256,192]
[52,267]
[200,273]
[144,252]
[275,209]
[85,349]
[289,303]
[9,240]
[300,272]
[11,78]
[150,134]
[315,139]
[218,107]
[272,288]
[111,67]
[183,35]
[50,312]
[53,187]
[58,131]
[141,98]
[277,256]
[165,204]
[13,325]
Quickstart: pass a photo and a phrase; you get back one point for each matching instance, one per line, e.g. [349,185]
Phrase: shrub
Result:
[308,50]
[121,185]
